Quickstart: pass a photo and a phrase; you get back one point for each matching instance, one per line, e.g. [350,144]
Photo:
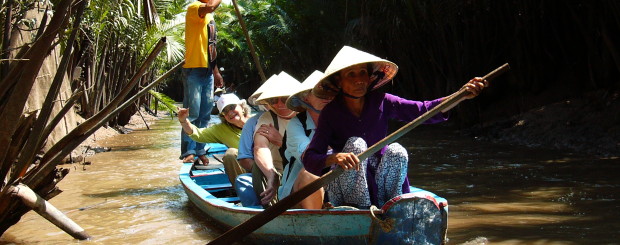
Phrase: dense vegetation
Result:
[557,49]
[110,57]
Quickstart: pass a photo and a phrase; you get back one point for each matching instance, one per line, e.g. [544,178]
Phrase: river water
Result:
[497,194]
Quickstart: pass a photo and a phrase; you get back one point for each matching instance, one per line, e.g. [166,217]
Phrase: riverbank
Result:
[589,124]
[91,145]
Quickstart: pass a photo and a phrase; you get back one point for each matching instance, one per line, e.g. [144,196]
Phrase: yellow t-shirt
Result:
[196,37]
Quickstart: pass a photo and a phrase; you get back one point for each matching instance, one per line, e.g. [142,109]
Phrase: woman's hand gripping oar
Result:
[272,212]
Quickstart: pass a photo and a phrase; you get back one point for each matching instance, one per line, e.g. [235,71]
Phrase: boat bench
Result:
[214,187]
[230,199]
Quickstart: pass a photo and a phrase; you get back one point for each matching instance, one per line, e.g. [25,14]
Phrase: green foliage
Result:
[123,21]
[438,45]
[163,102]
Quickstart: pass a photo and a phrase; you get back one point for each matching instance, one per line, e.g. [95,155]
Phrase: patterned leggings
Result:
[351,188]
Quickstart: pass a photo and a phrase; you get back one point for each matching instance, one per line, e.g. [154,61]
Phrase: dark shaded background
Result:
[559,51]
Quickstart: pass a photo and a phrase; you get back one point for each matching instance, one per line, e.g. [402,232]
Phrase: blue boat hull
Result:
[419,217]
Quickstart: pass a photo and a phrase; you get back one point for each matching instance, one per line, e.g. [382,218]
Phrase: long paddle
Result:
[272,212]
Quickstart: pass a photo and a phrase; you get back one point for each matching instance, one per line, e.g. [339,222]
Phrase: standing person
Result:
[299,132]
[270,153]
[200,72]
[358,117]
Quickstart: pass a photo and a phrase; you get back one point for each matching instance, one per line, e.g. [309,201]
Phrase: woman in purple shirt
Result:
[358,117]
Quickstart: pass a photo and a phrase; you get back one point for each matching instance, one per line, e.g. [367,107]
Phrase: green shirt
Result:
[219,133]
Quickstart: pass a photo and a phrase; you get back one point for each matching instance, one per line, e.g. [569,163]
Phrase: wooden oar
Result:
[272,212]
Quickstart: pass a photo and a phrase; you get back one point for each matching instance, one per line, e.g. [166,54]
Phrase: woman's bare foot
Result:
[204,160]
[189,158]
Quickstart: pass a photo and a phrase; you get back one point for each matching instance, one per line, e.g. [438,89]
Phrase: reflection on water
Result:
[514,195]
[500,194]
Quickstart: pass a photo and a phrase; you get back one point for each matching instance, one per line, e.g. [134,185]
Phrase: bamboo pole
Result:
[83,133]
[143,119]
[247,38]
[21,82]
[35,141]
[48,211]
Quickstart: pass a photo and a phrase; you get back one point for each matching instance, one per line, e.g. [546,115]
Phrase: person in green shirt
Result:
[233,115]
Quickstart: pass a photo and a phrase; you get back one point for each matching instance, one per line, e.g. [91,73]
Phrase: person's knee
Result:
[356,141]
[230,155]
[355,145]
[303,178]
[397,150]
[306,177]
[245,190]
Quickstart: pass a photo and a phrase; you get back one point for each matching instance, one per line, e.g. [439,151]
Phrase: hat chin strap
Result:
[350,96]
[308,106]
[289,116]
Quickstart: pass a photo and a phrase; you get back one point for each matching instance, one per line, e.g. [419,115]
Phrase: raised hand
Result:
[475,86]
[183,113]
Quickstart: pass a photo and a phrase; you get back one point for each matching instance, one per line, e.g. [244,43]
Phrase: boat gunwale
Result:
[216,202]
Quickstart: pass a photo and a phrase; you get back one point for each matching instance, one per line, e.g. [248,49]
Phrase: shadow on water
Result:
[137,192]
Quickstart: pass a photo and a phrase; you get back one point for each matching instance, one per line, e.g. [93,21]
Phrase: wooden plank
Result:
[230,199]
[216,186]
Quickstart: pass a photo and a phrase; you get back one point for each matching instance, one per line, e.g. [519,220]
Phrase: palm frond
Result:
[165,102]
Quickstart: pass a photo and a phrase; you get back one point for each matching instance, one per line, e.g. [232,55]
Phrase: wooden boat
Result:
[419,217]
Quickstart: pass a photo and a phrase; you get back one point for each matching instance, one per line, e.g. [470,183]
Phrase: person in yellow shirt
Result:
[200,73]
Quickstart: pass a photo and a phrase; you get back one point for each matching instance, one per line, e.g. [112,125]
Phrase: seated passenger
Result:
[245,157]
[358,117]
[240,174]
[299,131]
[233,115]
[269,145]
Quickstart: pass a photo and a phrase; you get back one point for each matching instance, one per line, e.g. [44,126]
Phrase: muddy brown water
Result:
[497,194]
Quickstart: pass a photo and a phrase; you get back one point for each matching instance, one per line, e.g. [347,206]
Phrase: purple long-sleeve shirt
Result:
[337,124]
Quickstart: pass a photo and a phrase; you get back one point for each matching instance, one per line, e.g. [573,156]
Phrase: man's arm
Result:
[264,161]
[262,155]
[217,77]
[208,7]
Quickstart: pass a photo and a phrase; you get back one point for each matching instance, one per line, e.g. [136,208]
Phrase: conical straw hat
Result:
[259,91]
[294,101]
[283,86]
[382,71]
